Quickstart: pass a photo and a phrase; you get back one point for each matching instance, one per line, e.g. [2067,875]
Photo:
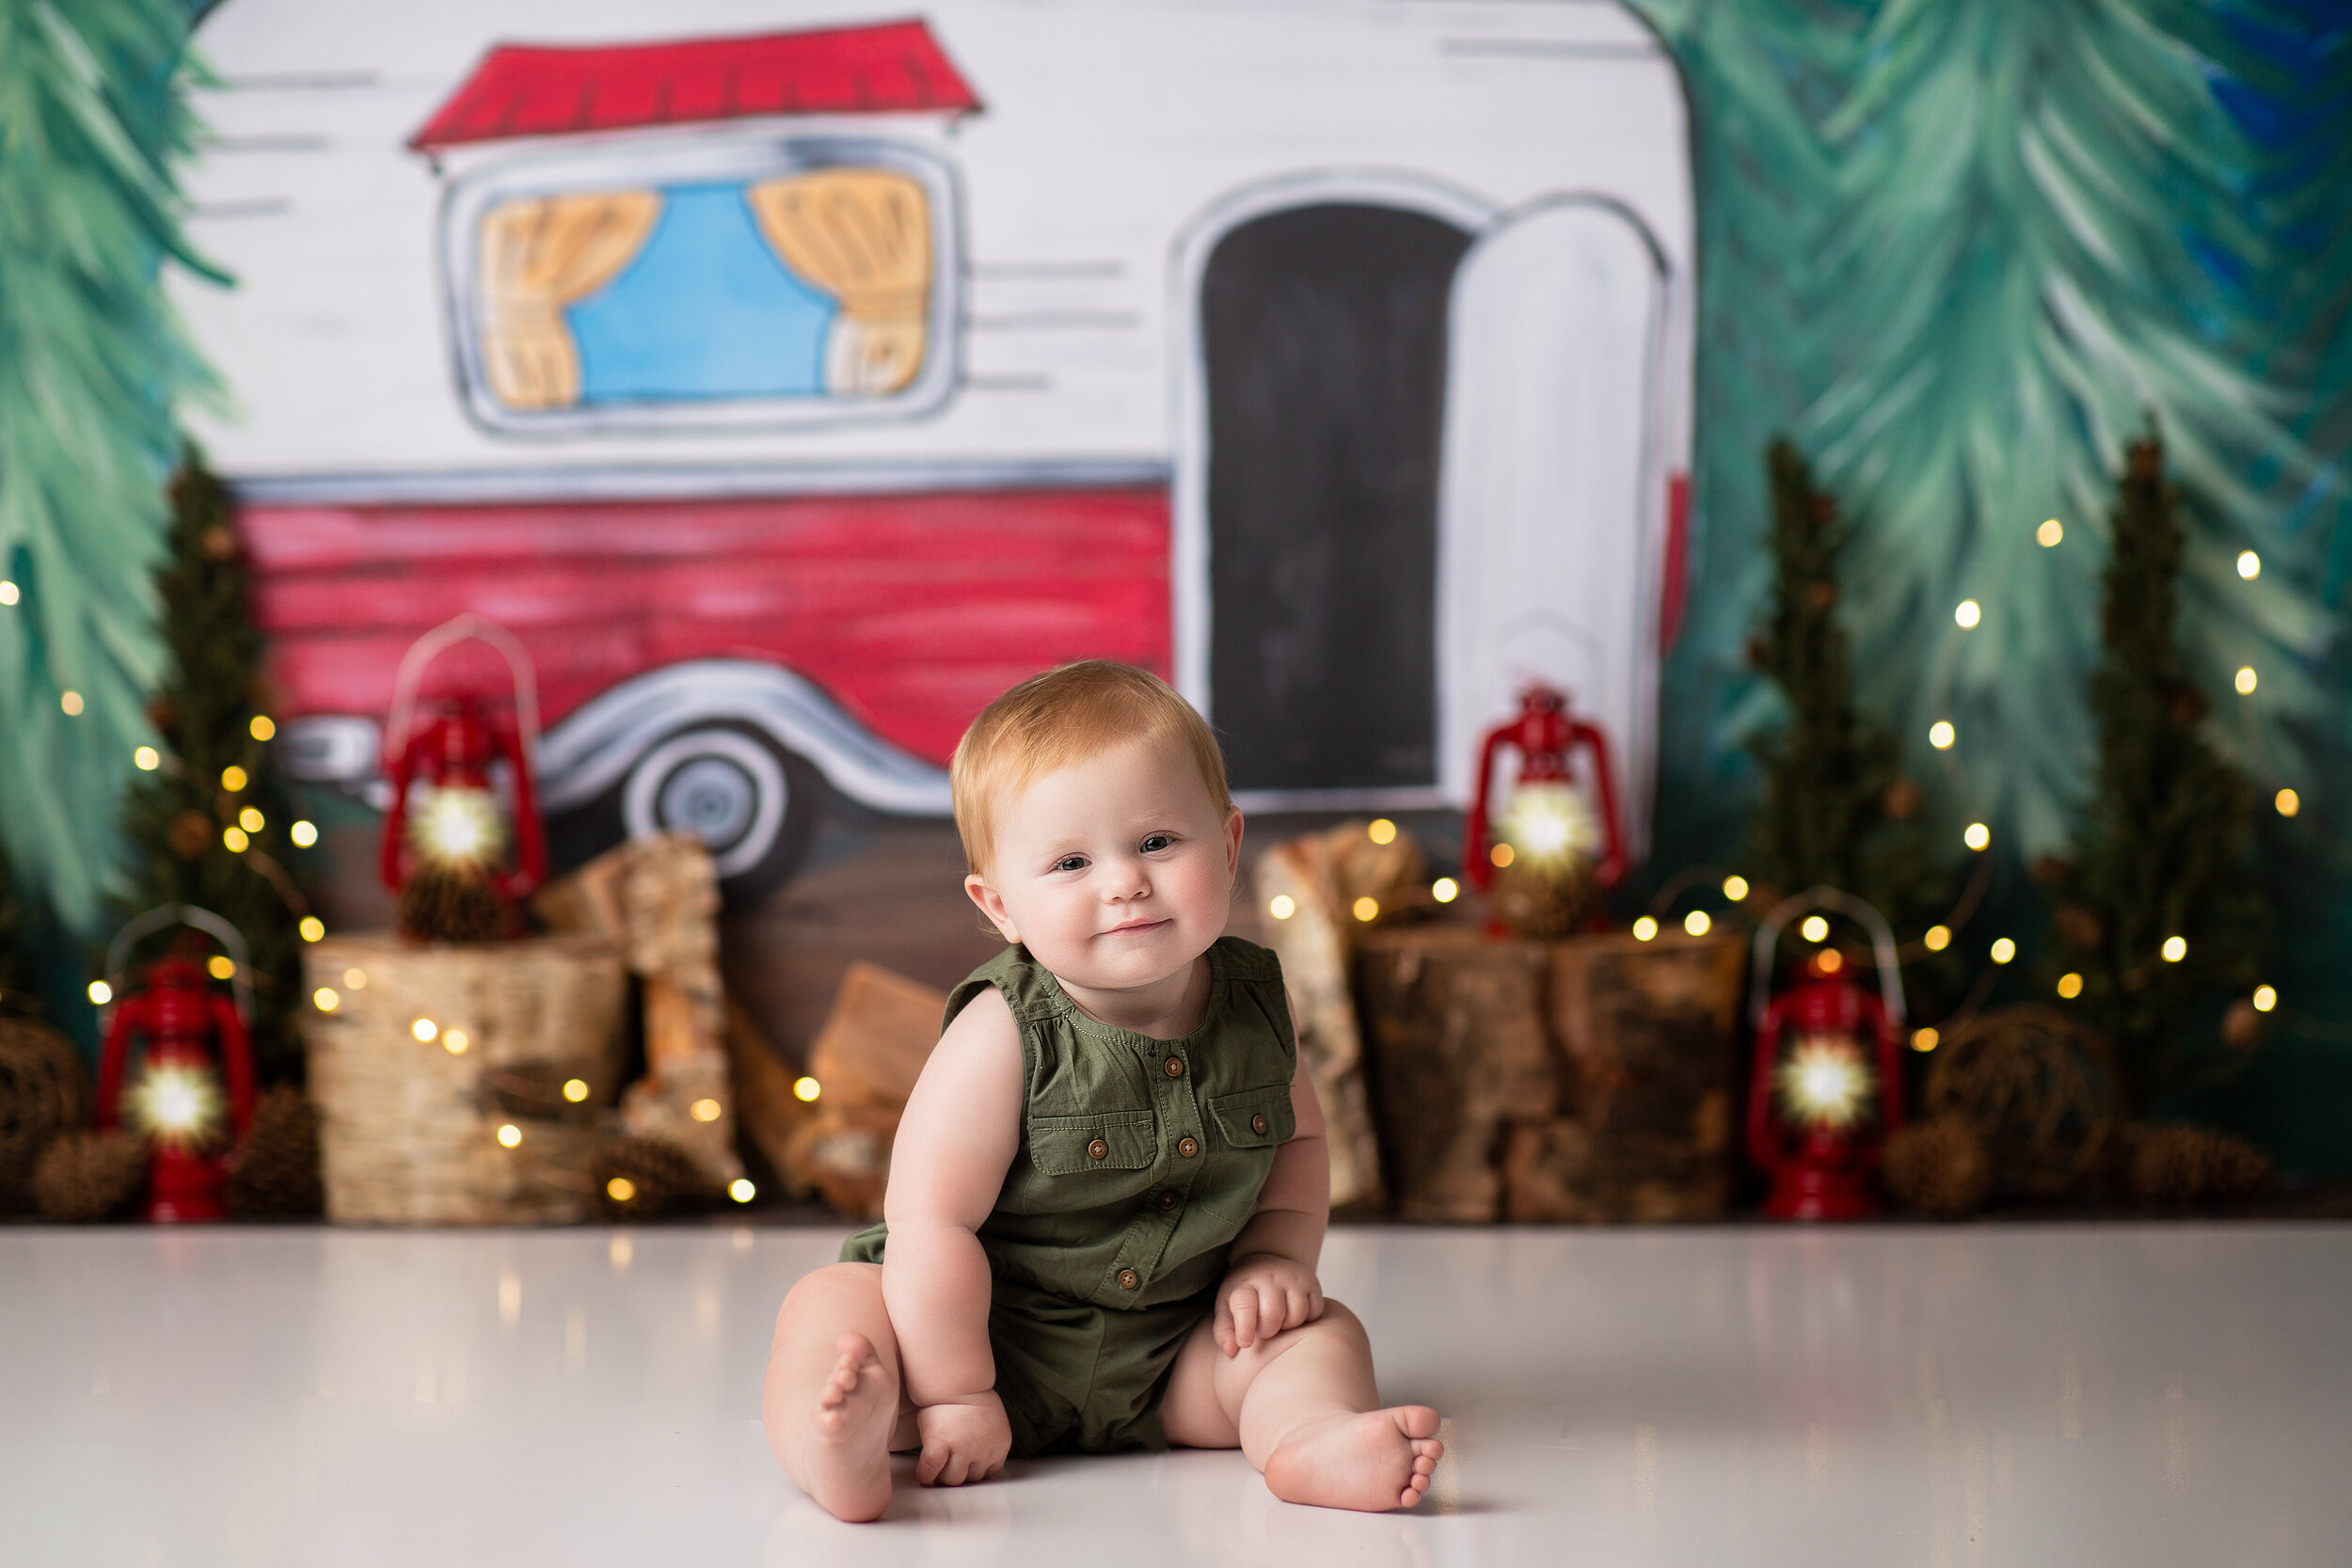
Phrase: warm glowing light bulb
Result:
[454,1041]
[1644,928]
[236,840]
[1824,1081]
[2049,534]
[221,966]
[1978,836]
[101,994]
[146,759]
[2174,949]
[2287,802]
[704,1110]
[1281,906]
[1696,922]
[313,928]
[263,727]
[325,1000]
[2249,566]
[575,1089]
[1366,909]
[354,979]
[1735,888]
[620,1189]
[2003,950]
[1967,613]
[1445,890]
[1941,734]
[426,1030]
[741,1190]
[1382,831]
[806,1089]
[9,593]
[1813,929]
[304,834]
[2265,998]
[72,703]
[233,778]
[250,819]
[2246,680]
[510,1135]
[2069,986]
[1830,961]
[1937,937]
[1502,856]
[1925,1039]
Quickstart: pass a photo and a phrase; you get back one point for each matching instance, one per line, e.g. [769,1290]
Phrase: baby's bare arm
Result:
[1294,1206]
[958,1139]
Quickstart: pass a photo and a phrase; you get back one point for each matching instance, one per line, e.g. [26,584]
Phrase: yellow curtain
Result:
[864,237]
[538,256]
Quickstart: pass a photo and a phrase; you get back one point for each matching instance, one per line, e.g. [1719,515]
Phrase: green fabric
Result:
[1081,1355]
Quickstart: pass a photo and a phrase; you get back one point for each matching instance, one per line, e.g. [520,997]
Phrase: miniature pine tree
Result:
[209,825]
[2167,843]
[1835,808]
[11,930]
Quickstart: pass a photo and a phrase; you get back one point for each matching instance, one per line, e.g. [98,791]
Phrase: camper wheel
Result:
[748,799]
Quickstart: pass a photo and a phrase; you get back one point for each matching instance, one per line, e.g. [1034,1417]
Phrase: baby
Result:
[1110,1186]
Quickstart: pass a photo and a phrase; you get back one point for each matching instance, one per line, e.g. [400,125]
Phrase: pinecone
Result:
[2181,1163]
[656,1177]
[274,1174]
[452,906]
[42,1092]
[1937,1167]
[87,1175]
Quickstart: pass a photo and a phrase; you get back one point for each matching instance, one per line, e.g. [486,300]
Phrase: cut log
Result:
[655,901]
[409,1121]
[865,1061]
[1649,1039]
[1314,945]
[766,1110]
[1459,1053]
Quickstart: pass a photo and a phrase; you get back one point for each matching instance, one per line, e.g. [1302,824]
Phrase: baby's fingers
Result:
[1244,1317]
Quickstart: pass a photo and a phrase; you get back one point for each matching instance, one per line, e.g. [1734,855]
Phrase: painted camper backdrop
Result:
[793,378]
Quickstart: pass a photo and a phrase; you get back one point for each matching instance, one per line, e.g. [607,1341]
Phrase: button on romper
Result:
[1140,1161]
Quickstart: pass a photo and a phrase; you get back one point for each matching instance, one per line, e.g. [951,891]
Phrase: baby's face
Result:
[1116,872]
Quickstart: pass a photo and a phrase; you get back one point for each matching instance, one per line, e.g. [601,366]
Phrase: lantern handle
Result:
[140,926]
[432,645]
[1823,896]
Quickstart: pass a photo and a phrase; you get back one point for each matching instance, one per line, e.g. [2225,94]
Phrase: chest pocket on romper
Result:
[1107,1140]
[1255,1119]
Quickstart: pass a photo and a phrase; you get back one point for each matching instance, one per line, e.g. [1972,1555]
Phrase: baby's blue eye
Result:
[1156,843]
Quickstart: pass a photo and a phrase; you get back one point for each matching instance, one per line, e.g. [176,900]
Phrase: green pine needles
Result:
[1835,807]
[208,825]
[2167,843]
[91,364]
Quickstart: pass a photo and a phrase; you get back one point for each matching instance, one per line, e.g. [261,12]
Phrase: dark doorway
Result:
[1323,333]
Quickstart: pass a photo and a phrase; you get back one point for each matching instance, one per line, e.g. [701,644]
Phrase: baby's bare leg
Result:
[1303,1408]
[831,1404]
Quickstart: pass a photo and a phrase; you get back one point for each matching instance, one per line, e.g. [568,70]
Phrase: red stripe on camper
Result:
[534,90]
[912,610]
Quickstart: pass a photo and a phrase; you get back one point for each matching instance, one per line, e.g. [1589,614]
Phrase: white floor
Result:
[2134,1394]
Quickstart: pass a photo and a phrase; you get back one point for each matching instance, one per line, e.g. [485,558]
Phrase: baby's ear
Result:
[991,906]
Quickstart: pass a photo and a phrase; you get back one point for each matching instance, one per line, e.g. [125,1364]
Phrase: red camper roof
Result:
[528,90]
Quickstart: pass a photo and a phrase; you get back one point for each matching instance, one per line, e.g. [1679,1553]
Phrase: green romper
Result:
[1140,1161]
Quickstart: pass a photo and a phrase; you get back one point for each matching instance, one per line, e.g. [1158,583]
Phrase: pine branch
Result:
[90,365]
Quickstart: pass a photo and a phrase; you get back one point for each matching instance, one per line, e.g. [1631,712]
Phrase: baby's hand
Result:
[1263,1294]
[963,1440]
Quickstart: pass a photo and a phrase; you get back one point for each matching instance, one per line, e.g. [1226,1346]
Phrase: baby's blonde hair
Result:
[1063,716]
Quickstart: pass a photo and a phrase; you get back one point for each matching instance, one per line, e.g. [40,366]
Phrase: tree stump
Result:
[1649,1034]
[413,1060]
[1460,1055]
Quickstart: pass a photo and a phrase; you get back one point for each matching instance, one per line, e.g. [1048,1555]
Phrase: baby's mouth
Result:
[1134,927]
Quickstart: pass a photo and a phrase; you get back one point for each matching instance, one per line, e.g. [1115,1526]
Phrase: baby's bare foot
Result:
[1380,1458]
[846,1457]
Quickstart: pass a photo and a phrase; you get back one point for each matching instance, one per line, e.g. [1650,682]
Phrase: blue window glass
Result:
[704,310]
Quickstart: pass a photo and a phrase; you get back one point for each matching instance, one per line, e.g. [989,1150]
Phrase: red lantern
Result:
[1546,810]
[446,812]
[188,1037]
[1827,1089]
